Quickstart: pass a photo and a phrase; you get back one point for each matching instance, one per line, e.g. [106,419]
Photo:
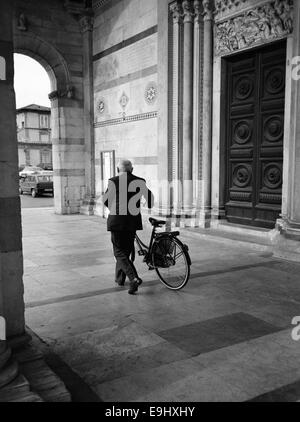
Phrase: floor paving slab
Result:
[225,337]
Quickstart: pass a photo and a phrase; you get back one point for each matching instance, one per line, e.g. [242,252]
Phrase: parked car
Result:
[37,184]
[29,170]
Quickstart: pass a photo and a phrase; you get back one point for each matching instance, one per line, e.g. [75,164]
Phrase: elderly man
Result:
[123,199]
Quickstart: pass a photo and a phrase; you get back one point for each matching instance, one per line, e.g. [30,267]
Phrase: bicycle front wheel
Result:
[171,262]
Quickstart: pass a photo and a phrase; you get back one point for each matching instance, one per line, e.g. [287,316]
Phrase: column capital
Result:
[176,11]
[86,23]
[188,11]
[207,10]
[68,93]
[198,10]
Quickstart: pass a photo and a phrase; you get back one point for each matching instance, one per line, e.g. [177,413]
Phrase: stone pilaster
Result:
[68,150]
[162,203]
[176,11]
[187,153]
[86,23]
[207,113]
[287,242]
[197,118]
[11,294]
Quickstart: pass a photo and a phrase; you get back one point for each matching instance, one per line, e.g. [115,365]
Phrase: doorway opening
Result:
[33,118]
[255,102]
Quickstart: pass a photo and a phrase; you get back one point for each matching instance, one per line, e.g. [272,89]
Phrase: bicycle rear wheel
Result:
[171,262]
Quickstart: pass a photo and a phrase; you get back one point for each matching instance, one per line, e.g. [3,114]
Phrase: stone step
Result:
[28,396]
[8,373]
[18,342]
[44,381]
[4,357]
[18,387]
[260,243]
[31,398]
[2,346]
[28,354]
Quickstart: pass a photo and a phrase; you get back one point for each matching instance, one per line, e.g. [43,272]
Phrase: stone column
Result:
[11,294]
[187,153]
[86,23]
[176,11]
[289,225]
[68,150]
[8,367]
[162,203]
[197,107]
[207,113]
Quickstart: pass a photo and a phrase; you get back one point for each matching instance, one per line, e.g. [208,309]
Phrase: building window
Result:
[46,157]
[27,157]
[44,121]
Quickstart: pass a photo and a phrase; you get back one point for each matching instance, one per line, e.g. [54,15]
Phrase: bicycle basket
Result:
[163,253]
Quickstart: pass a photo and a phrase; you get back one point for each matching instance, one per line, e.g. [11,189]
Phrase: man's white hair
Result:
[125,166]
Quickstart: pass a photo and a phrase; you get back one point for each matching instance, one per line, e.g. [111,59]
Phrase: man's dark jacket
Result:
[118,204]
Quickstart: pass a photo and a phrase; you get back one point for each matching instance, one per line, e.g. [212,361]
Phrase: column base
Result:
[286,240]
[204,219]
[88,206]
[26,377]
[289,229]
[184,217]
[99,208]
[17,342]
[8,367]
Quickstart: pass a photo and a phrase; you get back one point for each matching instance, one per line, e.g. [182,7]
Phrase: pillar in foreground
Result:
[11,273]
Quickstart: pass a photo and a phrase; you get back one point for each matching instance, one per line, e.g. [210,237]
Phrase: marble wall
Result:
[125,85]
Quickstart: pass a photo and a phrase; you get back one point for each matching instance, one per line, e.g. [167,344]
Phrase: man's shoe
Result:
[120,283]
[139,281]
[134,286]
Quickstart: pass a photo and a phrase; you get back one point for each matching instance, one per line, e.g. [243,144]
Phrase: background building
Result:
[34,136]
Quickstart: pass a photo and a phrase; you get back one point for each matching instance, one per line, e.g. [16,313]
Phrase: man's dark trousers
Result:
[123,246]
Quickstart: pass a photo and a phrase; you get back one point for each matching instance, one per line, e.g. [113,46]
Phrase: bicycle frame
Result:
[144,250]
[150,255]
[142,247]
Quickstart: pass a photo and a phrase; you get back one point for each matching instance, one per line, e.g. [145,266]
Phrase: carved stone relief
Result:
[124,100]
[100,106]
[68,93]
[151,93]
[22,22]
[265,23]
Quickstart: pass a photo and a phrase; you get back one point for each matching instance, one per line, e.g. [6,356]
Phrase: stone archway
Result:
[43,52]
[66,119]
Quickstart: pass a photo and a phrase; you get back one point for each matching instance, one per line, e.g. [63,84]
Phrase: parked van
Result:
[37,184]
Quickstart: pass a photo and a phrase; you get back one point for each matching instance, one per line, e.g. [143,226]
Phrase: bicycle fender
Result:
[184,247]
[168,234]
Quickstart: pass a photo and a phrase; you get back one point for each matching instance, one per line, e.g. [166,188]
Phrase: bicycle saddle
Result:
[157,223]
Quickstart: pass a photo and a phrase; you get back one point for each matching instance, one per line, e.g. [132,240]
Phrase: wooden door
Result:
[254,135]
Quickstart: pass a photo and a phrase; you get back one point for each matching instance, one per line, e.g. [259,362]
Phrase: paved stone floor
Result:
[45,201]
[225,337]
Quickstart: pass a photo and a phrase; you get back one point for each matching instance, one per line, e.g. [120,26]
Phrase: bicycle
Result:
[167,255]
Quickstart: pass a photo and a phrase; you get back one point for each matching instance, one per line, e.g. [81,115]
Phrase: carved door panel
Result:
[255,130]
